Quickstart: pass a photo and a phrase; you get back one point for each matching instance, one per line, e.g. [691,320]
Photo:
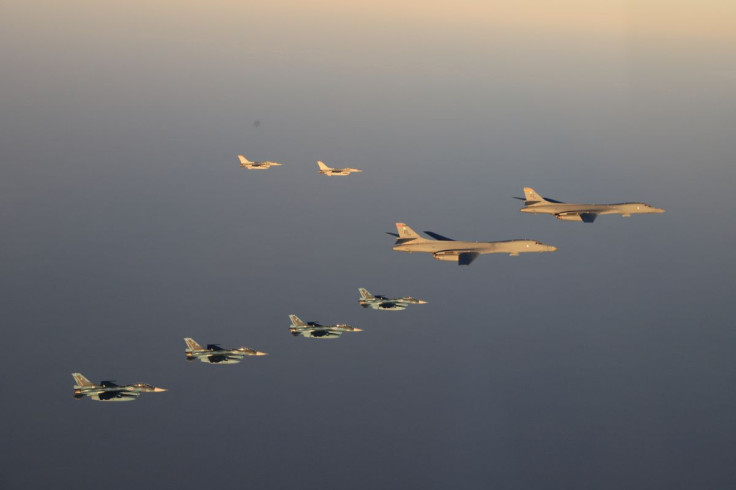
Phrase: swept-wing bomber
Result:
[329,171]
[245,163]
[379,302]
[315,330]
[214,354]
[108,391]
[463,253]
[587,213]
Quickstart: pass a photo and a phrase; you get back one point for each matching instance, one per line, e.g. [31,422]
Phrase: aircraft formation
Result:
[441,247]
[323,169]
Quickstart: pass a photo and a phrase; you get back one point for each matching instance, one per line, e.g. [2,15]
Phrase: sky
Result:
[127,226]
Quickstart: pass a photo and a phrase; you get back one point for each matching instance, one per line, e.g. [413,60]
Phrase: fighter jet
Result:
[245,163]
[587,213]
[214,354]
[464,253]
[325,170]
[378,302]
[317,331]
[108,391]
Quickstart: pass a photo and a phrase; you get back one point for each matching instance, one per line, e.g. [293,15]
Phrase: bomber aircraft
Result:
[214,354]
[463,253]
[108,391]
[325,170]
[379,302]
[587,213]
[317,331]
[245,163]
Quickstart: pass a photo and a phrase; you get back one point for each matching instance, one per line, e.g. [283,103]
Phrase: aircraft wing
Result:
[325,332]
[588,217]
[466,258]
[222,357]
[109,395]
[437,236]
[585,216]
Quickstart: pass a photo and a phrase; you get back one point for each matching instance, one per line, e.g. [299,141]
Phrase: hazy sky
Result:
[127,225]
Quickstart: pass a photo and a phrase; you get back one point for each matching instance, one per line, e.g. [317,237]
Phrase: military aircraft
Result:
[214,354]
[587,213]
[378,302]
[317,331]
[464,253]
[325,170]
[245,163]
[108,391]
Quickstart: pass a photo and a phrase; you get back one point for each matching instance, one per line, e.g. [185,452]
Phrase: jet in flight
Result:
[245,163]
[317,331]
[214,354]
[587,213]
[463,253]
[325,170]
[108,391]
[378,302]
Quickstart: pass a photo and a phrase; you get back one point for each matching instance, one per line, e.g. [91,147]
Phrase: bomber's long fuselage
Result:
[625,208]
[508,246]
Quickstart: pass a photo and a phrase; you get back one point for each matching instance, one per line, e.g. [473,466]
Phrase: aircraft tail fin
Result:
[192,344]
[532,196]
[295,320]
[406,233]
[365,294]
[81,380]
[322,166]
[243,160]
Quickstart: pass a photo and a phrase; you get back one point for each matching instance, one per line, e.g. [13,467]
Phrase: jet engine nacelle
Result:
[445,256]
[569,217]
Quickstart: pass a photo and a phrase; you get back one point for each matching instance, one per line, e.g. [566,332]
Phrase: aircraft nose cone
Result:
[422,302]
[159,390]
[659,210]
[357,329]
[261,353]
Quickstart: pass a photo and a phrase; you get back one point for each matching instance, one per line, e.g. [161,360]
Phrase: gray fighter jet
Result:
[463,253]
[317,331]
[325,170]
[587,213]
[378,302]
[245,163]
[214,354]
[108,391]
